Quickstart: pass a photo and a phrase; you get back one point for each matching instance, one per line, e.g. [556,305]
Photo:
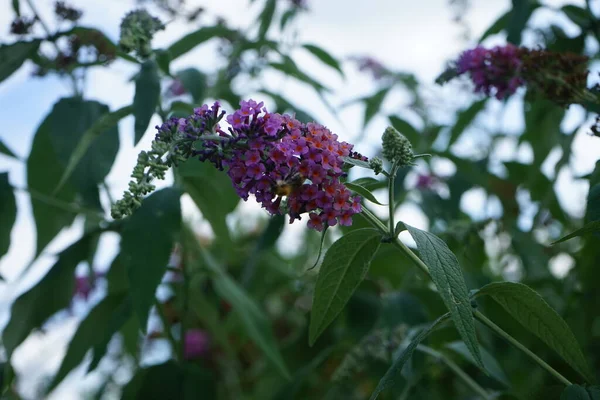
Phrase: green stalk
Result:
[391,200]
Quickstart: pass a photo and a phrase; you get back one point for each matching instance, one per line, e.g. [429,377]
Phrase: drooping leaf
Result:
[51,294]
[191,40]
[16,6]
[6,151]
[255,322]
[465,118]
[8,212]
[345,265]
[450,282]
[289,67]
[91,332]
[194,82]
[284,105]
[163,60]
[490,363]
[147,95]
[266,18]
[517,19]
[212,192]
[12,56]
[496,27]
[171,380]
[579,16]
[325,57]
[363,191]
[373,105]
[592,227]
[147,242]
[406,129]
[44,170]
[576,392]
[102,126]
[532,311]
[394,371]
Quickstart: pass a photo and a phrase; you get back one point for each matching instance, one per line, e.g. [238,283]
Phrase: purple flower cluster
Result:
[196,344]
[273,157]
[493,71]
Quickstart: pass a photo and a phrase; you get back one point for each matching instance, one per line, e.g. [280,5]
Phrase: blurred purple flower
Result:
[371,65]
[197,344]
[425,182]
[177,88]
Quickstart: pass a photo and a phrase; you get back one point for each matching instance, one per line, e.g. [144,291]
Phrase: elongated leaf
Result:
[448,278]
[289,67]
[532,311]
[325,57]
[44,170]
[212,192]
[8,212]
[356,163]
[373,105]
[578,15]
[16,6]
[147,242]
[490,363]
[6,151]
[394,371]
[406,129]
[465,118]
[576,392]
[89,335]
[517,19]
[191,40]
[345,265]
[51,294]
[147,94]
[496,27]
[283,105]
[163,60]
[592,227]
[363,191]
[266,18]
[12,56]
[103,126]
[69,121]
[255,322]
[194,82]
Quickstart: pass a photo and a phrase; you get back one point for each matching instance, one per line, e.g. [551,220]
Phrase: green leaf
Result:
[465,118]
[531,311]
[356,163]
[345,265]
[69,120]
[194,82]
[147,95]
[393,372]
[287,16]
[490,363]
[576,392]
[592,227]
[283,105]
[325,57]
[579,16]
[102,126]
[6,151]
[44,170]
[12,56]
[88,335]
[496,27]
[191,40]
[363,191]
[171,380]
[51,294]
[266,17]
[255,322]
[8,212]
[289,67]
[448,278]
[16,6]
[405,128]
[373,105]
[147,242]
[212,192]
[163,60]
[292,389]
[517,19]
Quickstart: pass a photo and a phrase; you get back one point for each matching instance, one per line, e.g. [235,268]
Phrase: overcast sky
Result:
[414,36]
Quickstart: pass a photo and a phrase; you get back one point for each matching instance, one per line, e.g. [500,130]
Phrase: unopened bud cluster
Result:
[396,148]
[376,164]
[137,29]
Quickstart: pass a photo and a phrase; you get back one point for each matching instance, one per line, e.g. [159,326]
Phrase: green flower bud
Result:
[396,148]
[376,165]
[137,29]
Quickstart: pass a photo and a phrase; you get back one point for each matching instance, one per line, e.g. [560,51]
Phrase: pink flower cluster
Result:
[273,156]
[493,71]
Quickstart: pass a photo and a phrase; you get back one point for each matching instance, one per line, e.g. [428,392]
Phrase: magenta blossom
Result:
[196,345]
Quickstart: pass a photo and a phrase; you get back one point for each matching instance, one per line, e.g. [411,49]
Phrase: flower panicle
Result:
[289,167]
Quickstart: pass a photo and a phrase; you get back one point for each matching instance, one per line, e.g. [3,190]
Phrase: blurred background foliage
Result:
[233,309]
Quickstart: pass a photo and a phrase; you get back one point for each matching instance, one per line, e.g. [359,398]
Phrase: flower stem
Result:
[391,190]
[482,318]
